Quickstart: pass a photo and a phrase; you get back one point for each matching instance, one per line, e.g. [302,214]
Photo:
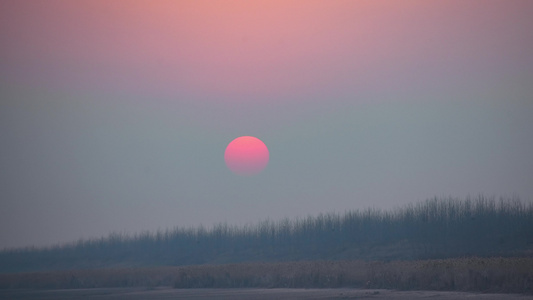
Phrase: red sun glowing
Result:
[246,155]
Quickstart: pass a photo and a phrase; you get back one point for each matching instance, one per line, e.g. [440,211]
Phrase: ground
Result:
[259,294]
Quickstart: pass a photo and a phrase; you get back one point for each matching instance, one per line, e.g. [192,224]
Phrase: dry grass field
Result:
[242,294]
[487,275]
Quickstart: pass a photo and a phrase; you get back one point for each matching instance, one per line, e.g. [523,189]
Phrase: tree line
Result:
[433,229]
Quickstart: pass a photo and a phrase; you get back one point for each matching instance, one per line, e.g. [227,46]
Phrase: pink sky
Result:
[251,49]
[115,114]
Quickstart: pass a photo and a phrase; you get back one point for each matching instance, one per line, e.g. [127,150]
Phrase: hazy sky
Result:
[114,115]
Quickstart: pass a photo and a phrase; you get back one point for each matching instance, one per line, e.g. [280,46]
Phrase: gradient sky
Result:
[114,115]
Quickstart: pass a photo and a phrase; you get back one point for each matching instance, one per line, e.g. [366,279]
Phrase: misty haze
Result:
[393,148]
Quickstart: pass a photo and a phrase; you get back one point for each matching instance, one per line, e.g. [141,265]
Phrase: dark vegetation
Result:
[499,275]
[433,229]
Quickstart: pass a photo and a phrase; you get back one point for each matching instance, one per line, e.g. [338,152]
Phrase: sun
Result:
[246,155]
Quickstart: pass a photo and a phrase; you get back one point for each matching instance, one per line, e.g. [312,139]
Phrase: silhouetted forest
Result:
[432,229]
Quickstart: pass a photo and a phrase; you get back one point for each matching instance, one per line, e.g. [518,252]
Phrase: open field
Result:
[237,294]
[487,275]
